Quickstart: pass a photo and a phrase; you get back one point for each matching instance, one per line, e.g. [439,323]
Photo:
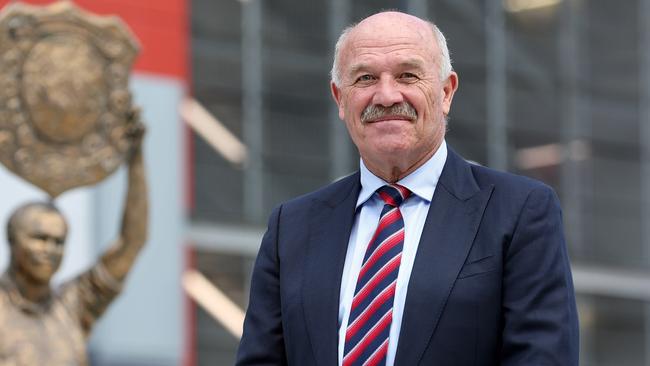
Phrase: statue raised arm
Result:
[119,258]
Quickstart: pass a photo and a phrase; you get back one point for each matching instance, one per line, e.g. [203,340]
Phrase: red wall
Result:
[161,26]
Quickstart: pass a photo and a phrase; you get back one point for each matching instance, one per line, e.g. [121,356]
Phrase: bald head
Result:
[394,24]
[24,215]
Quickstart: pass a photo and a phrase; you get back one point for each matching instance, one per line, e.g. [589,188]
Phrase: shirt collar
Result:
[422,182]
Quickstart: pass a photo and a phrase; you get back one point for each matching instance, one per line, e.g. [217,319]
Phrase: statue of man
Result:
[41,326]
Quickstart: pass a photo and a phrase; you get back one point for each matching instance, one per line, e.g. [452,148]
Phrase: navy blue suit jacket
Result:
[491,283]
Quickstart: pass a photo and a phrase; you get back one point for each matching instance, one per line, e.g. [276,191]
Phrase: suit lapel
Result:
[331,223]
[451,225]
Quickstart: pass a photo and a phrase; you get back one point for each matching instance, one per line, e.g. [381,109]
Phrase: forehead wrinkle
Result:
[371,48]
[391,45]
[408,61]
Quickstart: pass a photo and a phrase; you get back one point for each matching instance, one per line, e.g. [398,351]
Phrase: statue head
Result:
[36,234]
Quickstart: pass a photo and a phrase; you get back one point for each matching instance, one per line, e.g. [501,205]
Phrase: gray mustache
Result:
[375,111]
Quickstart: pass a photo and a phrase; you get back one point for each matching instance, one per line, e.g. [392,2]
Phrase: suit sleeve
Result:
[540,318]
[262,342]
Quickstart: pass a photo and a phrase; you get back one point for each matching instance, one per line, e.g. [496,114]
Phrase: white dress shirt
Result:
[422,183]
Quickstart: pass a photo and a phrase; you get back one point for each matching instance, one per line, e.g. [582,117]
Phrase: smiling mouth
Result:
[390,118]
[44,260]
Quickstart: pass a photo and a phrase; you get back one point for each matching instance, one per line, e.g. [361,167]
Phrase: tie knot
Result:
[393,194]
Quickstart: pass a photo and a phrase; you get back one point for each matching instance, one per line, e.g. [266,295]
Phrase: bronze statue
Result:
[66,120]
[39,326]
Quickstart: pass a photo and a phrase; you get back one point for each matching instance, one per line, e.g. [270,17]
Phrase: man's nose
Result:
[387,93]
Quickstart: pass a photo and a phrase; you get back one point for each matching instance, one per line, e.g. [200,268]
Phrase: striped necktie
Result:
[366,337]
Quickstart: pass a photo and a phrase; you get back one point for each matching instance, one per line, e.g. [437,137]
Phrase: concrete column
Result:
[497,129]
[252,119]
[573,172]
[644,142]
[341,148]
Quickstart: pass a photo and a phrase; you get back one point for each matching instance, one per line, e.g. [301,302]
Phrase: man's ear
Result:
[336,94]
[449,87]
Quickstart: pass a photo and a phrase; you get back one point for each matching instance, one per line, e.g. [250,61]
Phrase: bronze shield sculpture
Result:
[64,99]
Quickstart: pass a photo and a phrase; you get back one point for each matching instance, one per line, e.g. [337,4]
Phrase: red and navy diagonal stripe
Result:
[371,313]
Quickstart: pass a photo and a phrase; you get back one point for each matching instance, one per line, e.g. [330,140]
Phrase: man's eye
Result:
[365,78]
[408,76]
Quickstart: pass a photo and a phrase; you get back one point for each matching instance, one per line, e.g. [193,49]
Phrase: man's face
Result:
[390,69]
[38,244]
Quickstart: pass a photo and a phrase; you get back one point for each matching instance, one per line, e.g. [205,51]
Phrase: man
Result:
[42,327]
[420,258]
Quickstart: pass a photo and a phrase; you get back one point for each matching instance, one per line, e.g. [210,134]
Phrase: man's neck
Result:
[29,289]
[392,173]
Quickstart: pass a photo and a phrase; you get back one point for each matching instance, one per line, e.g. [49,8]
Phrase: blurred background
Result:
[236,97]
